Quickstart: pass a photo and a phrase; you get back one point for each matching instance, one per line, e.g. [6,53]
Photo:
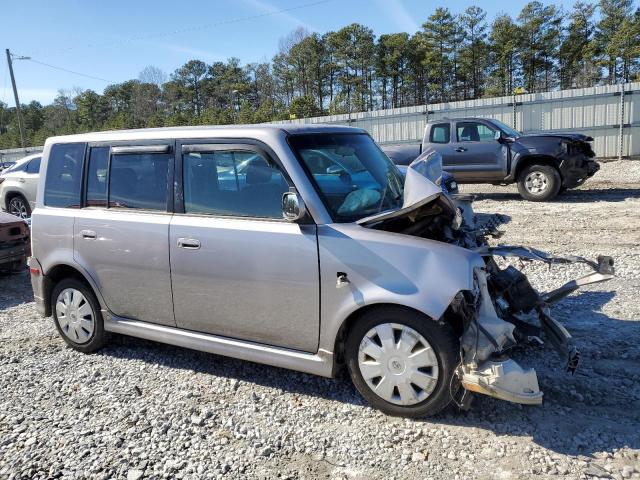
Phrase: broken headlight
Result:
[458,219]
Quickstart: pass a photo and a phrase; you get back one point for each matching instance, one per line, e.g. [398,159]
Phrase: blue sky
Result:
[114,40]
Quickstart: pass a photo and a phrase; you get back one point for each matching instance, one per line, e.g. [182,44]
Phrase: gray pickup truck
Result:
[482,150]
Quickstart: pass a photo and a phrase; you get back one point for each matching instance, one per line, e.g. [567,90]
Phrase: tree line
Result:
[452,57]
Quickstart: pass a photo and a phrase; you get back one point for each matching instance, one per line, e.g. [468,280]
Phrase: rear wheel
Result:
[402,362]
[19,207]
[76,313]
[539,183]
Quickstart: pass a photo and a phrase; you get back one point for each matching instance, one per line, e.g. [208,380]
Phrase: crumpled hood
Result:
[576,137]
[419,192]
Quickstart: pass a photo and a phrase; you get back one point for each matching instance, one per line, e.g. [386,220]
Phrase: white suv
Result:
[18,186]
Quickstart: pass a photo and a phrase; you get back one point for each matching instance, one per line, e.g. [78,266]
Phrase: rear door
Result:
[476,154]
[238,268]
[121,232]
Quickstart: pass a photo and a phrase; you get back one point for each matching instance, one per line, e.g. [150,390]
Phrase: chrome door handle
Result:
[88,234]
[461,149]
[189,243]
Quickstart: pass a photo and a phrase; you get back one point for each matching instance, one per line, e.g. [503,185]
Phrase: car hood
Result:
[419,194]
[576,137]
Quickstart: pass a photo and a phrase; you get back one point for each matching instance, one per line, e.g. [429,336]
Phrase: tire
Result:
[539,183]
[395,367]
[78,334]
[18,206]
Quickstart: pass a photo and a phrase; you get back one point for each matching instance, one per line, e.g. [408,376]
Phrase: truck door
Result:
[476,154]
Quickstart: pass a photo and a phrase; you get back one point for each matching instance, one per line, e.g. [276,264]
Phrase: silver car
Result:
[301,247]
[18,186]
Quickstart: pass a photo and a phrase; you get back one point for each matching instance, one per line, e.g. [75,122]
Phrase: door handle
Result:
[21,180]
[88,234]
[461,149]
[189,243]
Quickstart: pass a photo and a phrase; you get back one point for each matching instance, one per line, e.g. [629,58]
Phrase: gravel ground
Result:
[138,409]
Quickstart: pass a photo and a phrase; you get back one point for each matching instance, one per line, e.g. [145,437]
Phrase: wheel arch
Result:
[529,160]
[8,195]
[351,319]
[59,272]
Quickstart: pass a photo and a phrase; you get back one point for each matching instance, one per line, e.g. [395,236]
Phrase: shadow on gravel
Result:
[570,196]
[593,411]
[15,289]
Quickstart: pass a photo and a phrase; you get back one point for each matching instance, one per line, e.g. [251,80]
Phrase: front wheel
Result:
[539,183]
[402,362]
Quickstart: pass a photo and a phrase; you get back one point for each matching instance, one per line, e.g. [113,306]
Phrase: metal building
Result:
[610,114]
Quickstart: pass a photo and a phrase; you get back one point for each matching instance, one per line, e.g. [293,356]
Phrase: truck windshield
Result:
[511,132]
[352,175]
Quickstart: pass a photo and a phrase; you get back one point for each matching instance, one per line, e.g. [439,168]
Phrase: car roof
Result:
[461,119]
[203,131]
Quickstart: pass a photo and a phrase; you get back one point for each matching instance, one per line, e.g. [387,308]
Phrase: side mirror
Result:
[293,208]
[498,135]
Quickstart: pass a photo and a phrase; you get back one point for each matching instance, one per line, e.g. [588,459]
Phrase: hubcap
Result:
[536,182]
[18,208]
[75,315]
[398,364]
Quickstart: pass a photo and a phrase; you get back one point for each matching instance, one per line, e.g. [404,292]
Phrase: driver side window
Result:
[474,132]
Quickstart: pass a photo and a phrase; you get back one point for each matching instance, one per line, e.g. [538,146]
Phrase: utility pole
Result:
[15,96]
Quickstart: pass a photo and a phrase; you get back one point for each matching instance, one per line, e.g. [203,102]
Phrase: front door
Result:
[475,154]
[238,269]
[121,234]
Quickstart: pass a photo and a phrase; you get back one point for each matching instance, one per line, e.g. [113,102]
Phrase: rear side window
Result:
[440,133]
[64,173]
[34,165]
[139,181]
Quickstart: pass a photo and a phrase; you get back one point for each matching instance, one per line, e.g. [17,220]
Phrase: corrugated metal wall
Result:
[594,111]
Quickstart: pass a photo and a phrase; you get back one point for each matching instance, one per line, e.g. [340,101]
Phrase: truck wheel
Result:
[76,313]
[402,362]
[539,183]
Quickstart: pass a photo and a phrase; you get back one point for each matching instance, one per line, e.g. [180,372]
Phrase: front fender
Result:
[386,268]
[530,149]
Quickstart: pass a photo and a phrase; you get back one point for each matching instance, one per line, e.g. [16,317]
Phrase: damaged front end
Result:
[507,311]
[503,310]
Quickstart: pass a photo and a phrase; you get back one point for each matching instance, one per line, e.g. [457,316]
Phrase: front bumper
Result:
[508,312]
[576,169]
[13,252]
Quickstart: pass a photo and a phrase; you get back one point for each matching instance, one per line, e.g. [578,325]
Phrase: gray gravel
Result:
[143,410]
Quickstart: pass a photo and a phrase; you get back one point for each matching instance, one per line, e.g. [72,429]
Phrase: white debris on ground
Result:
[143,410]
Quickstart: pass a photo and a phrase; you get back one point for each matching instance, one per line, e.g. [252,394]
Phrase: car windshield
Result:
[510,132]
[353,176]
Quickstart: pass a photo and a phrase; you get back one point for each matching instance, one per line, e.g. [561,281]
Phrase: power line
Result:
[199,27]
[70,71]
